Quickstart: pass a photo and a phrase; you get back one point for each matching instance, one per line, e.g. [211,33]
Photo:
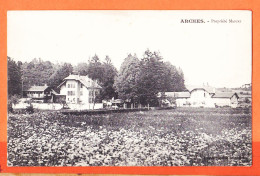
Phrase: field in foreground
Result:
[178,137]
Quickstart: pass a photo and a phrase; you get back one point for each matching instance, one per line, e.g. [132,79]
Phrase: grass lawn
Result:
[178,137]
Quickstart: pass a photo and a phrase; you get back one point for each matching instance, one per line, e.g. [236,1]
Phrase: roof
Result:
[85,80]
[37,88]
[224,95]
[177,94]
[117,101]
[244,95]
[209,89]
[54,92]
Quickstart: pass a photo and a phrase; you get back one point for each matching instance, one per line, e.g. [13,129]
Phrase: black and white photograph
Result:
[129,88]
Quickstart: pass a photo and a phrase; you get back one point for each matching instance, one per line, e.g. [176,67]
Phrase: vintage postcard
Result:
[129,88]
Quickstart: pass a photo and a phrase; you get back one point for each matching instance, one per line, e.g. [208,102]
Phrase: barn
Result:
[182,98]
[222,99]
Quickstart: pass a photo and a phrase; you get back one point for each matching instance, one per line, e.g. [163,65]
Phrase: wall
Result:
[85,106]
[43,106]
[182,102]
[200,97]
[222,101]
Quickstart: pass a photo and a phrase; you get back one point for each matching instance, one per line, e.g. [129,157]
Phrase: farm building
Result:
[181,98]
[40,93]
[222,99]
[202,97]
[79,90]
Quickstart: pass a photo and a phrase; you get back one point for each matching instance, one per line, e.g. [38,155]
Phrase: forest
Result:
[138,79]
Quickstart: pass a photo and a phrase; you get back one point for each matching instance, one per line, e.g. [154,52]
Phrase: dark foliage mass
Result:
[141,80]
[138,80]
[14,77]
[37,72]
[180,137]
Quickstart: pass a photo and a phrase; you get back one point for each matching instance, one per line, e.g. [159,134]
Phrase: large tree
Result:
[95,68]
[57,77]
[81,68]
[152,78]
[37,72]
[14,77]
[104,73]
[141,80]
[107,80]
[126,83]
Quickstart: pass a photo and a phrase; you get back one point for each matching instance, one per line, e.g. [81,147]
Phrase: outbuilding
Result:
[222,99]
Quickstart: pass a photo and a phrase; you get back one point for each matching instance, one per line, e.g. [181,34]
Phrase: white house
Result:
[79,90]
[201,96]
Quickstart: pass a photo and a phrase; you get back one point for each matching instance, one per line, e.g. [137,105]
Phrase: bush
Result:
[29,109]
[14,99]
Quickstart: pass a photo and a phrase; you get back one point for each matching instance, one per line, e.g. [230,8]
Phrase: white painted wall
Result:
[182,102]
[200,97]
[83,99]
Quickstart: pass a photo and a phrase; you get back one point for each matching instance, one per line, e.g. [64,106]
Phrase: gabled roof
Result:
[85,80]
[224,95]
[37,88]
[209,89]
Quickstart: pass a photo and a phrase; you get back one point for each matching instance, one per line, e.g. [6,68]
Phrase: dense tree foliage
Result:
[141,80]
[57,77]
[138,80]
[37,72]
[108,79]
[14,77]
[103,72]
[126,82]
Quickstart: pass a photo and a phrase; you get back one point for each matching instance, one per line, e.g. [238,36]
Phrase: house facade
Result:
[40,93]
[79,89]
[201,97]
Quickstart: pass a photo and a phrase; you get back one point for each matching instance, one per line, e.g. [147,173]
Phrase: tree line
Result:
[138,80]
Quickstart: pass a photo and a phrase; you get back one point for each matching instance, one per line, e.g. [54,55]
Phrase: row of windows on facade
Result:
[73,85]
[91,93]
[91,100]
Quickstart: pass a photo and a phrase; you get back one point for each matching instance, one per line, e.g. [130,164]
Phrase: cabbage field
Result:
[176,137]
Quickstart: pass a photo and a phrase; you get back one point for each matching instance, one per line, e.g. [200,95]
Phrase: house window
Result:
[81,93]
[81,85]
[91,93]
[71,93]
[71,85]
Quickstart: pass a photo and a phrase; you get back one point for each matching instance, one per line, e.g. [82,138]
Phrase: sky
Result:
[219,54]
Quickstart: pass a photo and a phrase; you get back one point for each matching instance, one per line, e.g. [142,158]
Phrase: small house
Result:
[40,93]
